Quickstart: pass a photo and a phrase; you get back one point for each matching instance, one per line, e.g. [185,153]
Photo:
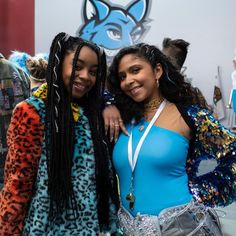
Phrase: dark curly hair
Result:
[172,84]
[60,130]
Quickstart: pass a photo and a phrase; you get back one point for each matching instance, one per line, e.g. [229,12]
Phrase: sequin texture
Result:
[211,141]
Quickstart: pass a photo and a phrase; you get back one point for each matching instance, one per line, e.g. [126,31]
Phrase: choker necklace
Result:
[151,106]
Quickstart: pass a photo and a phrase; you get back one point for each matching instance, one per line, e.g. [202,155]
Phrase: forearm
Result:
[216,188]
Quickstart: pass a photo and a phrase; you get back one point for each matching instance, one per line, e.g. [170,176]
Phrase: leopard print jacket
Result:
[24,200]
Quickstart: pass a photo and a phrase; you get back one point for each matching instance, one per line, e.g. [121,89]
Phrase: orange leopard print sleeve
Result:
[25,136]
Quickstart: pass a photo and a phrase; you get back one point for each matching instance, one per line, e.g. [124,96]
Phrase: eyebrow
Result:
[131,67]
[83,62]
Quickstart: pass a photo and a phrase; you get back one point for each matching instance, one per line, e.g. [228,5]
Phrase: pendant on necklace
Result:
[141,128]
[131,199]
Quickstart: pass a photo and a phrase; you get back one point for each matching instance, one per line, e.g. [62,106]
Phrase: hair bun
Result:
[37,68]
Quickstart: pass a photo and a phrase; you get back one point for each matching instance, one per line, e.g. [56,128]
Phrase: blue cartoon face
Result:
[114,34]
[114,27]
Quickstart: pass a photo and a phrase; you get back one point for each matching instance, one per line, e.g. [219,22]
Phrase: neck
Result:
[153,104]
[151,107]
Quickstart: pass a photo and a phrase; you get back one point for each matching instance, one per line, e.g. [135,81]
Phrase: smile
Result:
[79,86]
[134,90]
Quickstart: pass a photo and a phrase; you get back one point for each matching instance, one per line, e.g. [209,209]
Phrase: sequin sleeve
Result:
[108,98]
[212,141]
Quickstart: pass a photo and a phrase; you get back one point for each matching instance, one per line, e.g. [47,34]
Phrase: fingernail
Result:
[111,139]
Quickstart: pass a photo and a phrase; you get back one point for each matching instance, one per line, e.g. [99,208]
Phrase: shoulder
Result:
[24,111]
[196,110]
[193,110]
[194,115]
[26,124]
[36,102]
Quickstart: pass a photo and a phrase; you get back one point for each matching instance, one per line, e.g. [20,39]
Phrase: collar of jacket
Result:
[41,93]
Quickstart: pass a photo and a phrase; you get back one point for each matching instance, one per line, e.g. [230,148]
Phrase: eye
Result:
[121,77]
[78,67]
[93,72]
[135,70]
[114,34]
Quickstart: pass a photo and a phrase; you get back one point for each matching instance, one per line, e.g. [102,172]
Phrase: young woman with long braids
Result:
[58,176]
[171,131]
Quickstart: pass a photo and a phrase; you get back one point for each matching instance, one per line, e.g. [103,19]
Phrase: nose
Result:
[83,74]
[129,80]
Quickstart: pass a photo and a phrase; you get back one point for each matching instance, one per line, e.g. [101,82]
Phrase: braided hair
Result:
[60,130]
[172,84]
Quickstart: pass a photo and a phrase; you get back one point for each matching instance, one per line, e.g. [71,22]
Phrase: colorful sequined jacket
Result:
[210,140]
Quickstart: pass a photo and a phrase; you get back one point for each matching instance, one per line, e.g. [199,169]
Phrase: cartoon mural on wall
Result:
[113,27]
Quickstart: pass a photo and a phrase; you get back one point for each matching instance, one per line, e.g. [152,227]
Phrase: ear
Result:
[158,71]
[95,8]
[138,9]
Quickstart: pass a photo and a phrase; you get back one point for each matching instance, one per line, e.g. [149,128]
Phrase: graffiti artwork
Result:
[113,27]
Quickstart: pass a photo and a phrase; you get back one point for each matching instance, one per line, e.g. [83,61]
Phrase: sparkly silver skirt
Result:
[192,219]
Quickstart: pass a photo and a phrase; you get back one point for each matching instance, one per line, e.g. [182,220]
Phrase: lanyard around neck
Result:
[133,161]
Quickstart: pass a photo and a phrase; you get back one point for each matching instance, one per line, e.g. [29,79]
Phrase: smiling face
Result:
[86,71]
[138,79]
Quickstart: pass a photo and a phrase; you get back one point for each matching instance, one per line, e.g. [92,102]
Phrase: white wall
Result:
[209,25]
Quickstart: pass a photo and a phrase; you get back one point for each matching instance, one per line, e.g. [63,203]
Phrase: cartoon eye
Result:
[114,34]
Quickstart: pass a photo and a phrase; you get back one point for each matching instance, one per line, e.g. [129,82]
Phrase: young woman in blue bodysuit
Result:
[171,131]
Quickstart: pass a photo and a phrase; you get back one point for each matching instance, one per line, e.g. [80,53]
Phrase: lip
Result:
[79,86]
[134,90]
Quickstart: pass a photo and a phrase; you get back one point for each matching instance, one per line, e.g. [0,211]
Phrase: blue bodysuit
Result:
[160,178]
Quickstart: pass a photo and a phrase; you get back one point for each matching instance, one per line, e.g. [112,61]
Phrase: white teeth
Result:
[134,90]
[79,86]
